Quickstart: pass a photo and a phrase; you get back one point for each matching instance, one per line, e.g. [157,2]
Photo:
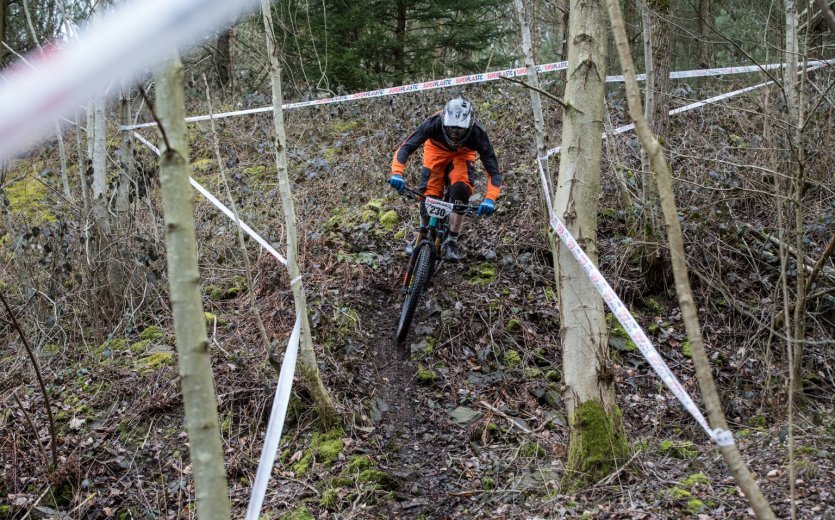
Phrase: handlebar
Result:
[464,209]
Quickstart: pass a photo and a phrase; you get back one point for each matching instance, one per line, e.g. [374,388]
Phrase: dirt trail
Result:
[416,437]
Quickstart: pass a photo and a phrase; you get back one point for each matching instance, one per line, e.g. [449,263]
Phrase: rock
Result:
[553,399]
[378,408]
[464,416]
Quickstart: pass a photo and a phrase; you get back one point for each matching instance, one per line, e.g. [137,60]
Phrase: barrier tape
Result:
[465,80]
[627,321]
[114,46]
[211,198]
[276,423]
[709,101]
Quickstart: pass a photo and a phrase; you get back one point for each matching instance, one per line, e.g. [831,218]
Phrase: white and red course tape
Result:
[465,80]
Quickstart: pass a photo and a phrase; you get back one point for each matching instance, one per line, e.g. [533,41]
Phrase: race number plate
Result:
[437,208]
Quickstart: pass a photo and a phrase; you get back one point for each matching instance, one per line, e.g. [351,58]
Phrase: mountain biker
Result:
[453,138]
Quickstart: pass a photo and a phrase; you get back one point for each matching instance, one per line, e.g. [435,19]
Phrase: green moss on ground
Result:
[425,375]
[512,358]
[686,351]
[202,165]
[324,448]
[29,197]
[696,479]
[300,513]
[154,362]
[389,220]
[151,333]
[678,449]
[378,479]
[532,450]
[481,274]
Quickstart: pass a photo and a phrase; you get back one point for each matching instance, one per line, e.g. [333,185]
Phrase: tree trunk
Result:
[533,80]
[704,46]
[223,61]
[657,60]
[199,400]
[82,163]
[399,57]
[597,439]
[685,296]
[309,368]
[2,32]
[127,164]
[100,167]
[794,109]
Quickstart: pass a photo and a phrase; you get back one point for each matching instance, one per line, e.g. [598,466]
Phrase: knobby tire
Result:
[416,286]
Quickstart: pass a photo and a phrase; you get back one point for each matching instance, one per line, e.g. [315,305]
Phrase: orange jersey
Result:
[442,165]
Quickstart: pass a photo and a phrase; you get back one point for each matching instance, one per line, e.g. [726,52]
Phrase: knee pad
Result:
[460,193]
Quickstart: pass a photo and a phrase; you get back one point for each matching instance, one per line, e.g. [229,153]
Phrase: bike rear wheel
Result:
[414,286]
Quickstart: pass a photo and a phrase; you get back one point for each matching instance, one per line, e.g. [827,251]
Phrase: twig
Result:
[154,115]
[819,264]
[502,414]
[40,380]
[544,93]
[31,425]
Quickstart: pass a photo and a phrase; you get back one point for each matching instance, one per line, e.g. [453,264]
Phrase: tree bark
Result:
[127,164]
[704,45]
[597,439]
[223,60]
[400,40]
[657,58]
[685,296]
[100,167]
[826,12]
[199,400]
[307,356]
[2,32]
[533,80]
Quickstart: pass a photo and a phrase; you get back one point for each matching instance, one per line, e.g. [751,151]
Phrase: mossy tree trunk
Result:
[730,453]
[199,399]
[597,440]
[307,356]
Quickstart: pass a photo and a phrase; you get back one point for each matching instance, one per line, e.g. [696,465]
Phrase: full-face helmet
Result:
[459,118]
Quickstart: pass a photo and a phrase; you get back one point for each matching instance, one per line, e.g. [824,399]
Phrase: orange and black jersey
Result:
[431,129]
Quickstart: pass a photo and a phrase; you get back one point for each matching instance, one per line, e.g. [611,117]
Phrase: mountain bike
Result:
[426,253]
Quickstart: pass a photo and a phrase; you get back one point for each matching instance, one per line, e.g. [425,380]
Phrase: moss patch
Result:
[378,479]
[29,197]
[678,449]
[324,448]
[481,274]
[426,376]
[300,513]
[389,220]
[154,362]
[151,333]
[512,359]
[597,443]
[203,165]
[696,479]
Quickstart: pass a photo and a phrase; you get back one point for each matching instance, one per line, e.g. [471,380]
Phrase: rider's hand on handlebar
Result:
[486,208]
[397,182]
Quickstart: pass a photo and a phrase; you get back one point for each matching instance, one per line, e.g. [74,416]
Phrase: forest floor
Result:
[465,418]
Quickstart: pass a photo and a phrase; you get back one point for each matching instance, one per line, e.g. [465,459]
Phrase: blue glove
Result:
[486,208]
[397,182]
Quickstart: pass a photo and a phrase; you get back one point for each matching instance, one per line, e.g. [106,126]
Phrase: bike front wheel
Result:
[414,287]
